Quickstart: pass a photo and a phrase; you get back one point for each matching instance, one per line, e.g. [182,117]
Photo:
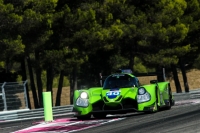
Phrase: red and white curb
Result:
[69,125]
[66,125]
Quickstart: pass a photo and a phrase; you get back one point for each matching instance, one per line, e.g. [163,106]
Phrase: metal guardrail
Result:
[61,110]
[24,114]
[13,95]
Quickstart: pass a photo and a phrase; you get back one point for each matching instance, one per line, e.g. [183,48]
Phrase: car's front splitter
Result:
[116,111]
[141,107]
[119,111]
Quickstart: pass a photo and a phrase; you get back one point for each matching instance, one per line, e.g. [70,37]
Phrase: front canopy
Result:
[120,81]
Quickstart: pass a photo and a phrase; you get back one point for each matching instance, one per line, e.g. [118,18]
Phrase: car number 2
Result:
[113,93]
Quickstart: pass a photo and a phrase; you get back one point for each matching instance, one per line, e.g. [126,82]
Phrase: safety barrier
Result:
[62,110]
[35,113]
[13,96]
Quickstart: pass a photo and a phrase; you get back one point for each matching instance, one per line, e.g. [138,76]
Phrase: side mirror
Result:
[153,81]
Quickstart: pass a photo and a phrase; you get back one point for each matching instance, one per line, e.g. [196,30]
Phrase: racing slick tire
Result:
[84,117]
[156,107]
[99,116]
[170,99]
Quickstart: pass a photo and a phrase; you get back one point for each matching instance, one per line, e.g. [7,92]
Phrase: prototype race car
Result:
[122,93]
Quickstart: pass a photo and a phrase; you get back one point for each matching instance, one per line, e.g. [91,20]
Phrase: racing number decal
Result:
[113,93]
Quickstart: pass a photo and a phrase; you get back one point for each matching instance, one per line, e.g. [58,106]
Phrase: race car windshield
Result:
[120,81]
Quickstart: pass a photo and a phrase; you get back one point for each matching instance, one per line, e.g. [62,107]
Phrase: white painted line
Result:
[118,119]
[110,115]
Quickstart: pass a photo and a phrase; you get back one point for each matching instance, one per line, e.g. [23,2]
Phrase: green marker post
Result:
[48,113]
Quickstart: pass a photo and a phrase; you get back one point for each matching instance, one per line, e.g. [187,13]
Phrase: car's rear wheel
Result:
[170,98]
[84,117]
[99,115]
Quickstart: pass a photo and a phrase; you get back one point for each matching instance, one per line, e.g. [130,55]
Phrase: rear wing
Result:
[161,76]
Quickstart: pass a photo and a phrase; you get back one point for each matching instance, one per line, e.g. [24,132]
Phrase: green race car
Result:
[122,93]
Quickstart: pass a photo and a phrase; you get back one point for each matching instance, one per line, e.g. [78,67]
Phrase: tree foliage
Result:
[80,39]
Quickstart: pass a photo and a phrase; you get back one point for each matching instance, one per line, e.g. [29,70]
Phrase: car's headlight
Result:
[84,95]
[141,91]
[83,102]
[143,98]
[143,95]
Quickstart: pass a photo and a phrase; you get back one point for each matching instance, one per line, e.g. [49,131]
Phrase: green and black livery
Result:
[122,93]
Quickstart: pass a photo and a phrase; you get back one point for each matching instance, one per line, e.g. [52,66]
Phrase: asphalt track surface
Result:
[184,118]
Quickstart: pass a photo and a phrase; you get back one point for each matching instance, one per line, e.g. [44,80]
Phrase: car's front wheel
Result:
[99,116]
[84,117]
[155,108]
